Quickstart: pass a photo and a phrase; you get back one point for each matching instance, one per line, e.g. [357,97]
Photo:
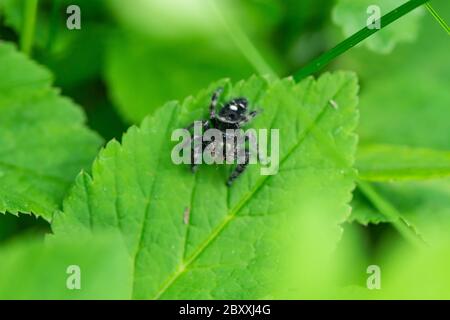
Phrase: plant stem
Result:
[30,12]
[356,38]
[438,18]
[242,41]
[54,20]
[390,212]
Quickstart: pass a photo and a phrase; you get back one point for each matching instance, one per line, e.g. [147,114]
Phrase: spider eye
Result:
[233,107]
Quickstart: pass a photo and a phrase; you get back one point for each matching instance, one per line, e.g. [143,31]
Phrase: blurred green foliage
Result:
[128,60]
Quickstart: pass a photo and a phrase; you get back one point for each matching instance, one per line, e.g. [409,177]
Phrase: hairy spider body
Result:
[232,115]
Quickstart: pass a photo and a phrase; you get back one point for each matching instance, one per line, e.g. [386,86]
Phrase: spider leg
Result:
[240,168]
[249,117]
[189,127]
[205,125]
[197,148]
[214,101]
[196,152]
[253,146]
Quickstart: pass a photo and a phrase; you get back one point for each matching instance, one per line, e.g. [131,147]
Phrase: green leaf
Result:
[391,213]
[31,270]
[388,163]
[424,204]
[192,237]
[397,111]
[72,56]
[44,143]
[11,226]
[352,15]
[363,212]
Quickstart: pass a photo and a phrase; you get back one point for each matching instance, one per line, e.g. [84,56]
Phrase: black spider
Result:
[233,115]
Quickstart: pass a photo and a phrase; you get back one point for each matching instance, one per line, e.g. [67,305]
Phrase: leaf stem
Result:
[356,38]
[30,12]
[390,212]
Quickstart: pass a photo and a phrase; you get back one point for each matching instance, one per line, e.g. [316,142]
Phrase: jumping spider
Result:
[232,115]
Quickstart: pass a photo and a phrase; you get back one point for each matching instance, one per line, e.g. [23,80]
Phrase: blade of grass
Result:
[320,62]
[30,12]
[438,18]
